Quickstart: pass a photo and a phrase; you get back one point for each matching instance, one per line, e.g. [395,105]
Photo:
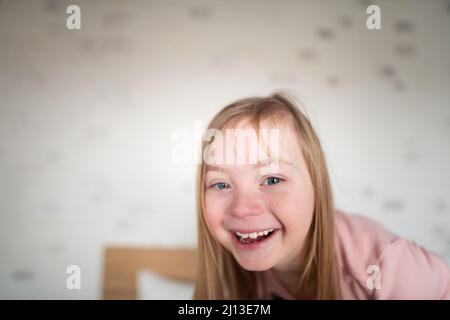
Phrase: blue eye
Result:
[221,185]
[272,180]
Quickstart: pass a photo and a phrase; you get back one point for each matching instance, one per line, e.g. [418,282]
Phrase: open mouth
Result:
[252,237]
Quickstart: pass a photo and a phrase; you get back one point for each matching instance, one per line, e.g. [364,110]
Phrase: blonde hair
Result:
[219,275]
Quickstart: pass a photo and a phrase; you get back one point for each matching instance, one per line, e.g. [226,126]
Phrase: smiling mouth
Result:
[254,236]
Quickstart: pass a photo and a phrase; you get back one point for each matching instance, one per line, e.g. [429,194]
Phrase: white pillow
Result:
[152,286]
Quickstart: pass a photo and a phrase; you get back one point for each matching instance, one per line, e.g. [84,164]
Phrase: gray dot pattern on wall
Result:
[186,186]
[200,12]
[96,133]
[404,27]
[405,50]
[54,6]
[440,205]
[333,81]
[326,33]
[116,18]
[393,204]
[368,191]
[388,71]
[55,248]
[52,209]
[411,156]
[307,54]
[142,210]
[104,45]
[53,157]
[399,85]
[222,61]
[366,3]
[73,100]
[282,78]
[102,191]
[345,22]
[125,225]
[23,275]
[441,232]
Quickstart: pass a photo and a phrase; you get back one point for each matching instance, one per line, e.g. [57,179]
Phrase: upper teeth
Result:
[254,235]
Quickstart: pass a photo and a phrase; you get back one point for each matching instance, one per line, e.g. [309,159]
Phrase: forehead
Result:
[274,141]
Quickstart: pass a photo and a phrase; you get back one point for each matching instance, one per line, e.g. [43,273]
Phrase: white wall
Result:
[86,118]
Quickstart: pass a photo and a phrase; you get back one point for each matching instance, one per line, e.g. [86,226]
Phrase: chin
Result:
[255,265]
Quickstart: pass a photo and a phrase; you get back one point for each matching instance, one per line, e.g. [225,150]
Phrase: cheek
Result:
[294,209]
[215,208]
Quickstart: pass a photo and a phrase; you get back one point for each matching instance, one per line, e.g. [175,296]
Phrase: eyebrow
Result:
[260,164]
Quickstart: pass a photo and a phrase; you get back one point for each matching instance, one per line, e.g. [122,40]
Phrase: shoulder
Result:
[360,241]
[376,263]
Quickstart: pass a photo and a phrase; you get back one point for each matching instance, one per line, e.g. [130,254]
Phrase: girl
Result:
[268,229]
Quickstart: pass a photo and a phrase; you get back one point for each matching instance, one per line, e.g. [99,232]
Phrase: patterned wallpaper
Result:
[86,118]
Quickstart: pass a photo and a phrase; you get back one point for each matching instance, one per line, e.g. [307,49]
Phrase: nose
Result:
[246,204]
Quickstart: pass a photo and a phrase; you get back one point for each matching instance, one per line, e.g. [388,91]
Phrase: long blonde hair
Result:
[219,275]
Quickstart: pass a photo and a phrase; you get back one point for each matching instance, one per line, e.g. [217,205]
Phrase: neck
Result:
[288,272]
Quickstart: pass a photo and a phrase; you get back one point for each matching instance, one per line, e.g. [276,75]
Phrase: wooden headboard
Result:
[121,265]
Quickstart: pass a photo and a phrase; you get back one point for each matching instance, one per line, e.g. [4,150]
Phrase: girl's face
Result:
[246,201]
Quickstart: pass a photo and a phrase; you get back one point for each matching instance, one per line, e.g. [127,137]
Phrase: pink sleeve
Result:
[408,271]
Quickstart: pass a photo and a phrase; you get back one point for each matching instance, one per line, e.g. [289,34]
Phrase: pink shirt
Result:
[366,249]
